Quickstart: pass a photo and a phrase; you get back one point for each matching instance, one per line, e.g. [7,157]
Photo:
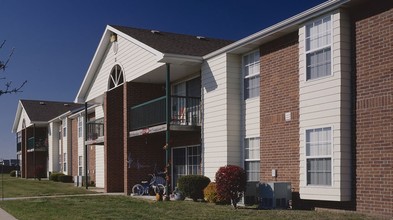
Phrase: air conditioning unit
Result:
[275,195]
[251,194]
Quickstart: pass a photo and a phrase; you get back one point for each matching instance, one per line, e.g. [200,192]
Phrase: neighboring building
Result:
[34,135]
[306,101]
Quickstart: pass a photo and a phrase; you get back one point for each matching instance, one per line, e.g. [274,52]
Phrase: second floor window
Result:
[251,72]
[80,126]
[318,48]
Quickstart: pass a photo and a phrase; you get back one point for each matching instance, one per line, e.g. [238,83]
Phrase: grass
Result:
[126,207]
[18,187]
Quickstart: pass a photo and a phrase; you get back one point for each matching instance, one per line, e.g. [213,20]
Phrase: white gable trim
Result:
[17,117]
[97,58]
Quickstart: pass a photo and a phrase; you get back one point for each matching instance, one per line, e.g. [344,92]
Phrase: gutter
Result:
[286,24]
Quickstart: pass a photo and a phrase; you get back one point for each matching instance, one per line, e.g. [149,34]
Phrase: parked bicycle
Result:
[156,184]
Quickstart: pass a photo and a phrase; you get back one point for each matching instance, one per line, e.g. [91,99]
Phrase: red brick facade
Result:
[373,41]
[280,94]
[74,146]
[113,149]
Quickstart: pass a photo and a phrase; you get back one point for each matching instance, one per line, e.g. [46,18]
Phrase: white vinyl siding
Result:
[100,168]
[221,135]
[133,59]
[326,101]
[53,147]
[318,48]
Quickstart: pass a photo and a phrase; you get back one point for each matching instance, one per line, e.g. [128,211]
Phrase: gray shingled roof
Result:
[43,111]
[181,44]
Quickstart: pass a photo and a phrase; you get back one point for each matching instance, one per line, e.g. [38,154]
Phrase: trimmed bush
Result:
[231,183]
[66,179]
[210,193]
[192,186]
[55,176]
[13,173]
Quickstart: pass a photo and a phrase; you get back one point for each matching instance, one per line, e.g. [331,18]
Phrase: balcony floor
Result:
[160,128]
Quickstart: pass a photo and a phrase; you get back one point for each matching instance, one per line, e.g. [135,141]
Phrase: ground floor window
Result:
[319,156]
[80,165]
[186,161]
[252,158]
[65,162]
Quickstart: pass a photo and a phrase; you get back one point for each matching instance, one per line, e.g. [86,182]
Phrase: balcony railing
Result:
[95,129]
[184,111]
[18,147]
[37,143]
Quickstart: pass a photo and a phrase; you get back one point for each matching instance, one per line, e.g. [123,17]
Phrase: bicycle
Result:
[157,184]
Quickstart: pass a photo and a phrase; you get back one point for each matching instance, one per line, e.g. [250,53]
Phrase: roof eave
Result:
[289,23]
[179,59]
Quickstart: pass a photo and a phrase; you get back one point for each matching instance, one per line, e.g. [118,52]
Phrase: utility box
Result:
[78,181]
[250,196]
[275,195]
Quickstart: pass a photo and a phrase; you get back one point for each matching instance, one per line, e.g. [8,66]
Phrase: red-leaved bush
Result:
[231,183]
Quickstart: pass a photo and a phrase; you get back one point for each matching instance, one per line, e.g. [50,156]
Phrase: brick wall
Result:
[280,94]
[134,94]
[373,41]
[114,138]
[74,147]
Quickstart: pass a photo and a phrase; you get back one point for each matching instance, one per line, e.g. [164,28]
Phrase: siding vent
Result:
[155,31]
[66,104]
[201,37]
[42,103]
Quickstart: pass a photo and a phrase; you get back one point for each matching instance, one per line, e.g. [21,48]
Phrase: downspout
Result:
[167,133]
[86,177]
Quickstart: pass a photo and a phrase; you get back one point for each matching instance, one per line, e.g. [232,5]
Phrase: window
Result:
[319,156]
[80,126]
[116,78]
[251,69]
[64,128]
[19,137]
[80,161]
[252,158]
[318,48]
[186,161]
[65,162]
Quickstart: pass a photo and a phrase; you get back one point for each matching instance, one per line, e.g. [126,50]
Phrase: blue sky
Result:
[55,40]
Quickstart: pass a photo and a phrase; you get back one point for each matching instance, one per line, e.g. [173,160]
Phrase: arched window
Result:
[116,78]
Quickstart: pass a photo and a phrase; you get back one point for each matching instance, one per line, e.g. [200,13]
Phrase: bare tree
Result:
[8,87]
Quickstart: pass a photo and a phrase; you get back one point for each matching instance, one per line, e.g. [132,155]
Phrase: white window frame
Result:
[319,157]
[80,168]
[116,77]
[65,162]
[327,46]
[253,159]
[187,147]
[80,127]
[64,124]
[258,74]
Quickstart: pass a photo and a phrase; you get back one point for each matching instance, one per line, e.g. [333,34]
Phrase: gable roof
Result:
[174,43]
[43,111]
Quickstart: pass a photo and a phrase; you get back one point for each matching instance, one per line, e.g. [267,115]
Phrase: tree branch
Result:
[8,89]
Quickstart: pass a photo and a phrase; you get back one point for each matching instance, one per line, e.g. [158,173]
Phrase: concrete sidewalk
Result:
[5,215]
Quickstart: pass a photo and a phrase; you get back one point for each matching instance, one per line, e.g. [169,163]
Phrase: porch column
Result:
[86,177]
[167,134]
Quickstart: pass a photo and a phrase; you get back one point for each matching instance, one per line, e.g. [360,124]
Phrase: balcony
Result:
[37,144]
[185,113]
[95,131]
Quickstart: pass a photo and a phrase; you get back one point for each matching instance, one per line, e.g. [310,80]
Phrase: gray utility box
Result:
[275,195]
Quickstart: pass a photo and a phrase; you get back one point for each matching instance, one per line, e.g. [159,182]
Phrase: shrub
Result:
[192,186]
[210,193]
[55,176]
[13,173]
[66,178]
[231,183]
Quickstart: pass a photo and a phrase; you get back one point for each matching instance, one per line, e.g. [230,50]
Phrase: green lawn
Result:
[126,207]
[18,187]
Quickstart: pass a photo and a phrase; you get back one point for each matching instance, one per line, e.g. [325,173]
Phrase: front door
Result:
[186,161]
